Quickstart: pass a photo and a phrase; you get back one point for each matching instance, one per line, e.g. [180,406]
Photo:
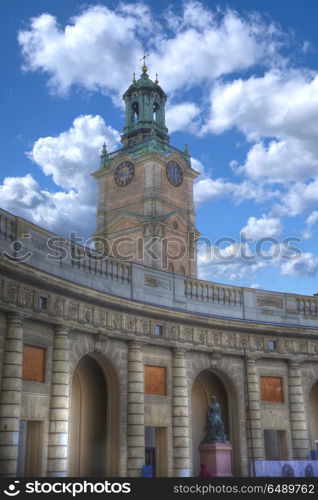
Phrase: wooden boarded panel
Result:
[33,363]
[272,389]
[155,380]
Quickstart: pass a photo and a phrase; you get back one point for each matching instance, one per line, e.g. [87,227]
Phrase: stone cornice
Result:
[52,284]
[88,311]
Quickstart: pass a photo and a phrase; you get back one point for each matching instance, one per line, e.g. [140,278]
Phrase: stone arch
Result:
[92,372]
[228,383]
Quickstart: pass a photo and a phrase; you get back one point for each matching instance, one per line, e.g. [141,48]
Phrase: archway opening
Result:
[94,417]
[207,384]
[313,411]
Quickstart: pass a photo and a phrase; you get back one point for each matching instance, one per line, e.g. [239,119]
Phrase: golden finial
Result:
[144,67]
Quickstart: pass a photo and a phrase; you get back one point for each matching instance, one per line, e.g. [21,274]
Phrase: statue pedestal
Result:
[217,457]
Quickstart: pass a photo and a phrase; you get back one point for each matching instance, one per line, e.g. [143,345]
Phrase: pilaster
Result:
[180,415]
[10,396]
[59,405]
[254,410]
[135,411]
[298,421]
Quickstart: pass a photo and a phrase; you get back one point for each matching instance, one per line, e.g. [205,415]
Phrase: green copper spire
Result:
[145,130]
[145,110]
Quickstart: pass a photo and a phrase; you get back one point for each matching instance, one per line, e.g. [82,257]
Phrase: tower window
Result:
[135,114]
[155,109]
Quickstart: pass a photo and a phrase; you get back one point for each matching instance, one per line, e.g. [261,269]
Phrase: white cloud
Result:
[282,161]
[181,117]
[70,158]
[100,48]
[197,165]
[59,212]
[207,189]
[226,262]
[305,266]
[96,50]
[264,227]
[311,220]
[283,105]
[72,155]
[299,198]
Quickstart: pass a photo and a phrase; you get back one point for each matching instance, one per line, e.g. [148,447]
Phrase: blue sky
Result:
[242,82]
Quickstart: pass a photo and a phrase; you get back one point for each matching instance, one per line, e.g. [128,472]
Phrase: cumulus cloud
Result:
[237,261]
[305,266]
[181,117]
[299,198]
[208,189]
[99,48]
[216,262]
[264,227]
[311,220]
[59,212]
[283,105]
[69,158]
[96,50]
[72,155]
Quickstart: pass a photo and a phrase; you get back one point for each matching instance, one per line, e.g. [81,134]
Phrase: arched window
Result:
[182,271]
[171,268]
[155,114]
[135,113]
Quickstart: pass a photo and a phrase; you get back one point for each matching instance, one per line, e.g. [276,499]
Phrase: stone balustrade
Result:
[211,292]
[307,306]
[72,261]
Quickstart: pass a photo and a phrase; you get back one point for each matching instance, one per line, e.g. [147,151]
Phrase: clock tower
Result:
[145,212]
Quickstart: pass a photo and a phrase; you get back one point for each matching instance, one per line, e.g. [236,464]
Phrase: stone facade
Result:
[216,334]
[101,322]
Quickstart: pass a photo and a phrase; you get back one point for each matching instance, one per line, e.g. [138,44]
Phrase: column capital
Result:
[60,329]
[14,317]
[135,345]
[252,358]
[295,362]
[179,352]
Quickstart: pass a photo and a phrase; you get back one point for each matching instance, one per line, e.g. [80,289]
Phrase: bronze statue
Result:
[214,428]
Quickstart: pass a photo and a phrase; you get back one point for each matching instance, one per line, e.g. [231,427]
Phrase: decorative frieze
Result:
[118,323]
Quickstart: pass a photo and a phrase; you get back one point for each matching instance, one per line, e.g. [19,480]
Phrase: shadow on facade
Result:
[94,424]
[208,383]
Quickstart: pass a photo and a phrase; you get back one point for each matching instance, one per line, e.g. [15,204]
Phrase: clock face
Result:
[174,173]
[124,173]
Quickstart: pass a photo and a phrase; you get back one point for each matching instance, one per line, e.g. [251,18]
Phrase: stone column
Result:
[298,421]
[135,411]
[254,410]
[180,415]
[10,397]
[59,405]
